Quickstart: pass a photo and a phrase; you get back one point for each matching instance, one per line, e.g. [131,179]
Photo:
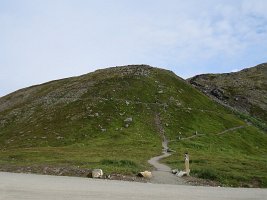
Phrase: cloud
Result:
[235,70]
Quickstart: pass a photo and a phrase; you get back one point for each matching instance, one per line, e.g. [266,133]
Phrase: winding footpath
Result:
[220,133]
[162,173]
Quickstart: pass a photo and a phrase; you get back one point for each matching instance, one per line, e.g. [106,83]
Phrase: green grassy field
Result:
[82,122]
[236,158]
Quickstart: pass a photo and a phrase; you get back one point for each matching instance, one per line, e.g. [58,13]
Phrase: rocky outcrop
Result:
[244,91]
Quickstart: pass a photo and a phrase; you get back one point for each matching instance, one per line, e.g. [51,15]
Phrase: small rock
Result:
[171,98]
[178,104]
[129,119]
[145,174]
[169,150]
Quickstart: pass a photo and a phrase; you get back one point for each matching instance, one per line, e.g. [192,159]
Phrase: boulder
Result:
[175,171]
[96,173]
[181,173]
[145,174]
[219,93]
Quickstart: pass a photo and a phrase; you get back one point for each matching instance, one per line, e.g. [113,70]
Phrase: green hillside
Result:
[108,119]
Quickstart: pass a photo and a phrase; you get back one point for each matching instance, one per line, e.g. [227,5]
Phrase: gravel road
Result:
[42,187]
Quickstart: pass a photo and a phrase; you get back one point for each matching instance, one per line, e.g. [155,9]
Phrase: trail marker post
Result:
[186,162]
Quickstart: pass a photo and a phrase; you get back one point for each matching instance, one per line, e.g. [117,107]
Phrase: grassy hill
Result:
[109,119]
[245,91]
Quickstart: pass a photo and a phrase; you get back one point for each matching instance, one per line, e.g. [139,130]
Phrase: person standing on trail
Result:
[186,162]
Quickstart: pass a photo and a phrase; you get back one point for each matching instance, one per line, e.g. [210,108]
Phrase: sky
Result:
[44,40]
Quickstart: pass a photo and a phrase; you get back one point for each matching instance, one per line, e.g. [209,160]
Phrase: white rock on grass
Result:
[129,119]
[97,173]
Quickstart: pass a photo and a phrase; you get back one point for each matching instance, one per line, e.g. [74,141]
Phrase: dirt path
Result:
[162,173]
[231,129]
[220,133]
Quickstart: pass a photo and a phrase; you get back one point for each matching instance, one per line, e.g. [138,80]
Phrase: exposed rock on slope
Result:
[245,90]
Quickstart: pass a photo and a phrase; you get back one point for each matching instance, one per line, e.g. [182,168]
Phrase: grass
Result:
[237,158]
[256,122]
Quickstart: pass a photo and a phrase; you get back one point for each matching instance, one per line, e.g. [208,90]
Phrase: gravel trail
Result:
[162,173]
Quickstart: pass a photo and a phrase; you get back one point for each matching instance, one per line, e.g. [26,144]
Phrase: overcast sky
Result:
[43,40]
